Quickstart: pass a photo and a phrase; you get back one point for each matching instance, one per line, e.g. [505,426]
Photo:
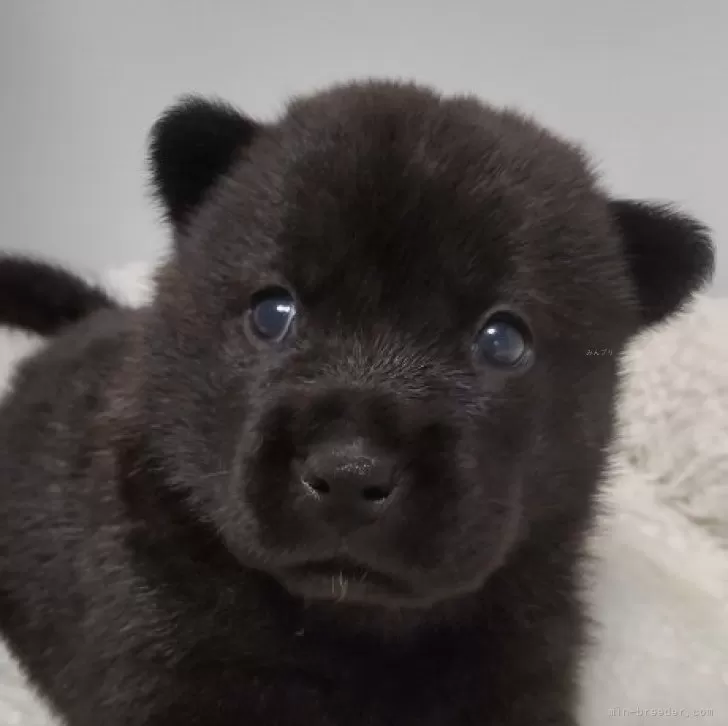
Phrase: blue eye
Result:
[502,342]
[271,316]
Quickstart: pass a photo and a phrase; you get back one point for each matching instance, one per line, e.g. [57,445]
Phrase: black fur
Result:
[191,146]
[44,298]
[160,562]
[669,254]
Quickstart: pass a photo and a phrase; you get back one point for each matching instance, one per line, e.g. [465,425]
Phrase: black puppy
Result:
[341,470]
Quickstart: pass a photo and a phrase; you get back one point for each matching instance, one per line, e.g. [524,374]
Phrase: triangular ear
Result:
[192,144]
[670,255]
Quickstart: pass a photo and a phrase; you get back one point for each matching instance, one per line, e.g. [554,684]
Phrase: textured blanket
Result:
[658,584]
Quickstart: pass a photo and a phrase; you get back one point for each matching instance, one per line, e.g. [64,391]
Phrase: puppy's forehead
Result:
[379,201]
[395,193]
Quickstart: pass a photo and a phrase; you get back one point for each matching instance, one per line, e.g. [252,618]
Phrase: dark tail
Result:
[44,298]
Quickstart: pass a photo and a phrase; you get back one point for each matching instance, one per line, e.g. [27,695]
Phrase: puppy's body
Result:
[167,555]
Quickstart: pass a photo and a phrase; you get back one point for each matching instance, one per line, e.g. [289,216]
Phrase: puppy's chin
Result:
[350,605]
[344,583]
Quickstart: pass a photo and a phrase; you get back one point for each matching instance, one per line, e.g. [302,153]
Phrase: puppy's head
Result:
[384,352]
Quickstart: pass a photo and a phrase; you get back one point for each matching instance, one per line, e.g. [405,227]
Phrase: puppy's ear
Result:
[670,255]
[191,145]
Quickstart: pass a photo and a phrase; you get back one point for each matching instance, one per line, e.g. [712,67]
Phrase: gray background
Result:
[641,82]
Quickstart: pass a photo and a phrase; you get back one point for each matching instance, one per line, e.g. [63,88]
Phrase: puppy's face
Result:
[385,352]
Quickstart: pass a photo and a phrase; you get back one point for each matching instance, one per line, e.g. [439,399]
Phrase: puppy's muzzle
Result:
[346,484]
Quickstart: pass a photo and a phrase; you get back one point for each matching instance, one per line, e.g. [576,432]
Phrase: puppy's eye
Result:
[503,341]
[271,315]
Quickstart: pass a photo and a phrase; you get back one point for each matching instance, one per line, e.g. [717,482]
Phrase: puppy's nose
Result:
[348,485]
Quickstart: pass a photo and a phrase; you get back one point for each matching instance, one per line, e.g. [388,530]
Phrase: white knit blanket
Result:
[659,583]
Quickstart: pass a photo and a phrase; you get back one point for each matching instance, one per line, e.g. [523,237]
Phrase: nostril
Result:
[375,494]
[337,479]
[316,484]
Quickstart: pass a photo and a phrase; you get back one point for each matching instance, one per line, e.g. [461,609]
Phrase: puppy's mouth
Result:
[344,581]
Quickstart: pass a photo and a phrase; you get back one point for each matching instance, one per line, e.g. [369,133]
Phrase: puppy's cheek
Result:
[493,464]
[465,521]
[239,528]
[490,524]
[263,475]
[470,550]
